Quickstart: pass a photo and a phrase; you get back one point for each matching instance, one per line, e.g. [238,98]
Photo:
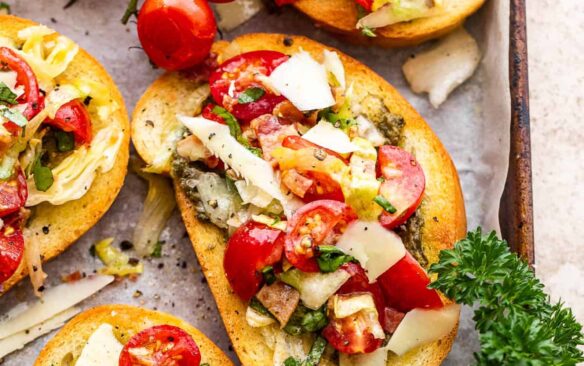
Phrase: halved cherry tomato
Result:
[252,247]
[359,282]
[242,71]
[161,345]
[25,77]
[403,185]
[176,34]
[73,117]
[316,223]
[366,4]
[13,193]
[405,286]
[11,246]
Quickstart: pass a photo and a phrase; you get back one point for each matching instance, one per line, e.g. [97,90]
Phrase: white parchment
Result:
[473,124]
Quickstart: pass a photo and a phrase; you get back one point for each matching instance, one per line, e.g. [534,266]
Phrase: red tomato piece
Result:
[176,34]
[403,186]
[366,4]
[316,223]
[13,193]
[73,117]
[161,345]
[297,143]
[26,78]
[242,71]
[252,247]
[391,319]
[405,286]
[210,115]
[359,282]
[285,2]
[11,246]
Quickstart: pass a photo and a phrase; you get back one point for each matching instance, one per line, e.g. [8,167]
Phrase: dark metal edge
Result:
[516,212]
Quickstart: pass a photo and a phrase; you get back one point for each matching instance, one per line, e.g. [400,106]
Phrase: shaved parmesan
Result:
[333,64]
[257,320]
[375,247]
[326,135]
[421,326]
[19,340]
[252,194]
[55,300]
[101,349]
[347,305]
[440,70]
[369,131]
[218,140]
[315,288]
[304,82]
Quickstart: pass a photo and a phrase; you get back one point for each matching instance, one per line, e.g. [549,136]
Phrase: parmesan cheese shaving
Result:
[326,135]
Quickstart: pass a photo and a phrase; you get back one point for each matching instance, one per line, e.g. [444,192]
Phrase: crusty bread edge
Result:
[67,222]
[130,319]
[443,209]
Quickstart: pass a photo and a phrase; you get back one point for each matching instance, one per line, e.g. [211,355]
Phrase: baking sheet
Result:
[473,124]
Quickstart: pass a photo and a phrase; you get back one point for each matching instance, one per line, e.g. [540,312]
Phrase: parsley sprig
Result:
[517,323]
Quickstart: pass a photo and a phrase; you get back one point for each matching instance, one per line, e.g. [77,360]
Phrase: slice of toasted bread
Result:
[341,16]
[67,222]
[127,320]
[443,208]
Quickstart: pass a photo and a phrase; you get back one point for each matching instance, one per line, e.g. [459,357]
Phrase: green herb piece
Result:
[65,141]
[342,122]
[132,9]
[381,179]
[5,8]
[6,95]
[256,305]
[305,320]
[42,175]
[157,252]
[277,219]
[368,32]
[269,275]
[250,95]
[331,258]
[517,324]
[314,356]
[204,364]
[14,116]
[384,203]
[235,129]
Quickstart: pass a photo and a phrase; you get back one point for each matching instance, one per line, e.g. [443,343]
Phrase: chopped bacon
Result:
[288,111]
[271,133]
[392,319]
[280,299]
[296,182]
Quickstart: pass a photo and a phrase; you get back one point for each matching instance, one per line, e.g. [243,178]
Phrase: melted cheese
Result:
[101,349]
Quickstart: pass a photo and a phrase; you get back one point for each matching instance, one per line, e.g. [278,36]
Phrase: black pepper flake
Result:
[87,100]
[288,41]
[41,288]
[126,245]
[203,280]
[45,230]
[184,264]
[160,265]
[53,20]
[133,262]
[149,123]
[211,135]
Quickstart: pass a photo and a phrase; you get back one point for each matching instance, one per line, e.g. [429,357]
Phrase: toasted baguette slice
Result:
[341,16]
[442,210]
[127,320]
[67,222]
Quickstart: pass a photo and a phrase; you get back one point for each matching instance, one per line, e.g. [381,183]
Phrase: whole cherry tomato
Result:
[176,34]
[73,117]
[316,223]
[239,74]
[11,246]
[161,345]
[403,184]
[13,193]
[405,286]
[251,248]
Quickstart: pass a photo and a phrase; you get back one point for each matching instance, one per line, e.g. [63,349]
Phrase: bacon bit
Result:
[296,182]
[280,299]
[270,134]
[71,277]
[288,111]
[392,319]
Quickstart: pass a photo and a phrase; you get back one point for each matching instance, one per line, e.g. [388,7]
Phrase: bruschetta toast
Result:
[112,335]
[310,190]
[64,146]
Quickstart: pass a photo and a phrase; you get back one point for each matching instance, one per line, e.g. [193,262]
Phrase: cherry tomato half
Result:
[405,286]
[73,117]
[11,246]
[359,282]
[25,77]
[176,34]
[161,345]
[13,193]
[316,223]
[403,185]
[252,247]
[242,71]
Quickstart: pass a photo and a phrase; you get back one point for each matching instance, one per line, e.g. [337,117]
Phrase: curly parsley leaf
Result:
[517,323]
[250,95]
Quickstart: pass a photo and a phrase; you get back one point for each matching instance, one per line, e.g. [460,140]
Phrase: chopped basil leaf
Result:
[235,129]
[331,258]
[14,116]
[6,95]
[157,252]
[334,118]
[268,274]
[314,356]
[255,304]
[43,176]
[291,361]
[368,32]
[255,150]
[132,9]
[384,203]
[250,95]
[65,141]
[305,320]
[277,219]
[381,179]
